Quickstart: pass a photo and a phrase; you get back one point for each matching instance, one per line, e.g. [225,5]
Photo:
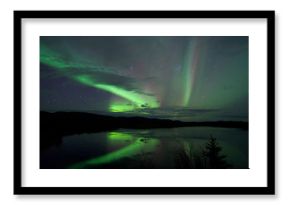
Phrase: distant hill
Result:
[55,125]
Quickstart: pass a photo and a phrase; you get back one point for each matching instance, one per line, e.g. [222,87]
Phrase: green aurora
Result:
[187,78]
[144,74]
[56,60]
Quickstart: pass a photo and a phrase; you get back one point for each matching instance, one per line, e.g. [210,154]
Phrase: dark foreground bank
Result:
[55,125]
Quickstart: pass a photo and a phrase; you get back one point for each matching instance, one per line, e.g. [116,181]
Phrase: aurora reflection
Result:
[91,85]
[129,150]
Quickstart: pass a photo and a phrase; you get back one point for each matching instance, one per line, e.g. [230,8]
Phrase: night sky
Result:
[184,78]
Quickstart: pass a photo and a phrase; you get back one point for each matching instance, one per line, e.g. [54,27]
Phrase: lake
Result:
[150,148]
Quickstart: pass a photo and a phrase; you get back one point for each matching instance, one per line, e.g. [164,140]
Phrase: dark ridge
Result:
[55,125]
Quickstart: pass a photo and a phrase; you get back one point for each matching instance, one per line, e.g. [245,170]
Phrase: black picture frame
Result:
[268,15]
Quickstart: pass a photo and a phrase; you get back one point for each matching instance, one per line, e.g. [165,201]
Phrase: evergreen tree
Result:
[213,157]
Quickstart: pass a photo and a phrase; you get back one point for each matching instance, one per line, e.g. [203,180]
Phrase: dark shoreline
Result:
[53,126]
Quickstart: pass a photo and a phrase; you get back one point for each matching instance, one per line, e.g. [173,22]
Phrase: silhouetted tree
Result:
[213,157]
[209,157]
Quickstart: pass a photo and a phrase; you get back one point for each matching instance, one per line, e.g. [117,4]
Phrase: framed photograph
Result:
[144,102]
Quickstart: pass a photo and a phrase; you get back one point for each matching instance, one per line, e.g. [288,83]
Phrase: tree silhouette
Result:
[213,157]
[209,157]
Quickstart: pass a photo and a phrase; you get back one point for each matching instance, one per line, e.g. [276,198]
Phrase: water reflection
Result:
[137,145]
[147,148]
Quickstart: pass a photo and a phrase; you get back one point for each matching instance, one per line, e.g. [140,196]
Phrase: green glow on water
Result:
[119,136]
[108,158]
[136,147]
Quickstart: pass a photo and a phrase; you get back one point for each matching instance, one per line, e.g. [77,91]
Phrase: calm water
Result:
[151,148]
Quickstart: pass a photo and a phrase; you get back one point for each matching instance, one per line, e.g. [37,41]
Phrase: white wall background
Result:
[282,98]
